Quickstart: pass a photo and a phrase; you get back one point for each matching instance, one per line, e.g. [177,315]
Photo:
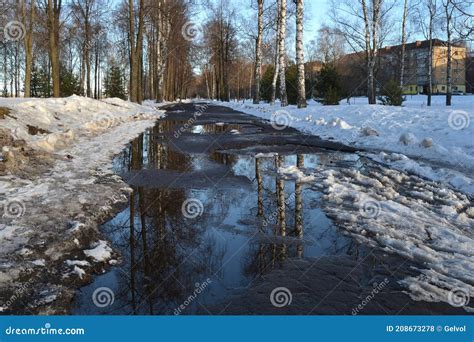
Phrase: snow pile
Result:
[51,124]
[439,136]
[402,214]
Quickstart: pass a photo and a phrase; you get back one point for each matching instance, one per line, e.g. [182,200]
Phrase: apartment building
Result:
[416,66]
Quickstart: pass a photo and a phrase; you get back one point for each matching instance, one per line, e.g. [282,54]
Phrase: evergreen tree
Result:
[40,83]
[329,85]
[114,83]
[69,83]
[266,84]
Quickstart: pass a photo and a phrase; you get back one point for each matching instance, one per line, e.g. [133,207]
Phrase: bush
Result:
[331,97]
[392,94]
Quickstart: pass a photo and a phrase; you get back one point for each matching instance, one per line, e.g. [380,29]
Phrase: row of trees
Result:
[91,40]
[151,49]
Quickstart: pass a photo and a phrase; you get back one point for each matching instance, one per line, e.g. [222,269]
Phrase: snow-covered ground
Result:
[57,187]
[394,209]
[434,142]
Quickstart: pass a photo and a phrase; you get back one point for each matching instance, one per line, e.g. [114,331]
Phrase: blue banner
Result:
[237,328]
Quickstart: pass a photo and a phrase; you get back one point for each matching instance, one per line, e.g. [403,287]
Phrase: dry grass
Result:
[4,112]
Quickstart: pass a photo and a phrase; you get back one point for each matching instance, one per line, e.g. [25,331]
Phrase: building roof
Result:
[422,44]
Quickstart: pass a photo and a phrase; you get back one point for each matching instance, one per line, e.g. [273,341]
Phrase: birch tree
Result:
[371,44]
[282,53]
[301,101]
[448,10]
[362,25]
[404,40]
[258,54]
[277,55]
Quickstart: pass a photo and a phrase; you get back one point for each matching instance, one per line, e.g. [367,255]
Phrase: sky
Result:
[316,14]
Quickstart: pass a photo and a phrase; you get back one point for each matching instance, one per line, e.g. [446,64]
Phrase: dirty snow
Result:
[394,209]
[402,214]
[57,212]
[437,141]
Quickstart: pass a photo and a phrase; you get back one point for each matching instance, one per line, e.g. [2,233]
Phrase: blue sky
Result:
[316,14]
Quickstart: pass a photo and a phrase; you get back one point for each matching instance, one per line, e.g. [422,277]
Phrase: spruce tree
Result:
[114,83]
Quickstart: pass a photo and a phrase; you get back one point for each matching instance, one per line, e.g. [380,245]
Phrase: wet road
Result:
[212,228]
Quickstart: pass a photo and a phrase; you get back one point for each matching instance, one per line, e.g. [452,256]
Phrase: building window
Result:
[443,88]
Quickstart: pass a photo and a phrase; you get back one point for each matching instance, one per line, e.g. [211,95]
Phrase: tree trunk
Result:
[300,54]
[277,55]
[54,11]
[430,54]
[449,56]
[28,24]
[258,54]
[133,59]
[404,38]
[371,45]
[282,54]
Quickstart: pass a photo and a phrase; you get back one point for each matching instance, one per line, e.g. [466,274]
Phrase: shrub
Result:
[392,94]
[329,85]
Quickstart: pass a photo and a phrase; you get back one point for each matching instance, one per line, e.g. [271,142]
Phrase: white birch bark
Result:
[258,54]
[282,54]
[300,54]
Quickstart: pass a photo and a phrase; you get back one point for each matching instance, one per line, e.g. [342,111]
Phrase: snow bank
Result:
[438,140]
[55,212]
[51,124]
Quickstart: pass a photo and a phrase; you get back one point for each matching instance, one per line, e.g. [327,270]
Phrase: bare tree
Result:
[282,53]
[448,10]
[404,40]
[364,26]
[28,19]
[300,54]
[53,11]
[277,54]
[328,46]
[136,50]
[258,54]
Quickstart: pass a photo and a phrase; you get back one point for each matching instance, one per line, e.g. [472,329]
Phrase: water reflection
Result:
[242,233]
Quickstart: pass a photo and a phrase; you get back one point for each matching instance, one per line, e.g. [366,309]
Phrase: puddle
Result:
[206,215]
